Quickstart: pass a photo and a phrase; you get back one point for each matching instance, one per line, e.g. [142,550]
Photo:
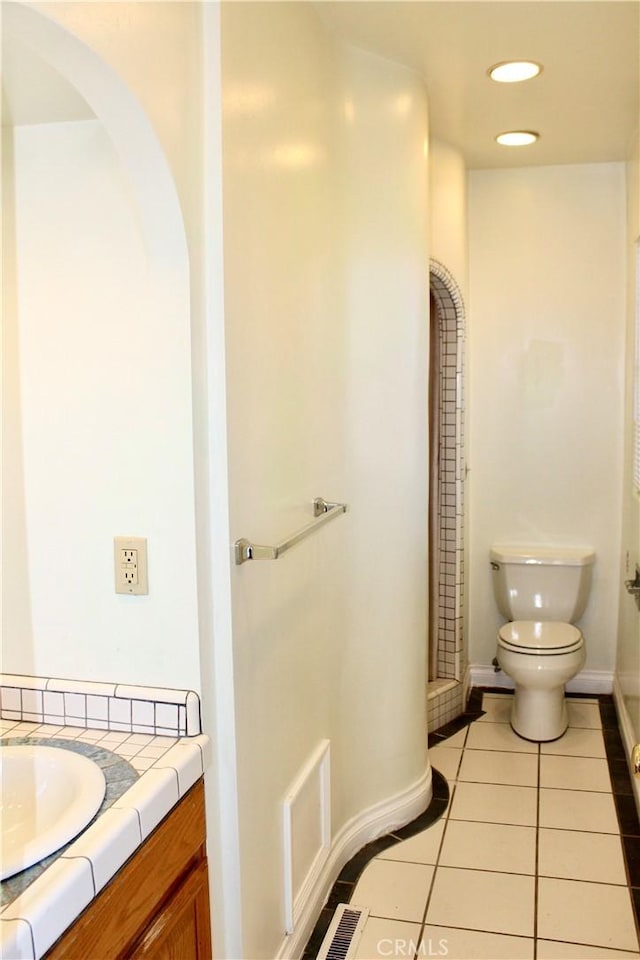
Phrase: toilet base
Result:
[539,715]
[539,710]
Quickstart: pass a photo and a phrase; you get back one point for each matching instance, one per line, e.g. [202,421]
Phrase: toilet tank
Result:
[541,583]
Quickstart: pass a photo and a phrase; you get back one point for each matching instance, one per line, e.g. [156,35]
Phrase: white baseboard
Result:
[483,675]
[591,681]
[587,681]
[628,734]
[381,818]
[466,686]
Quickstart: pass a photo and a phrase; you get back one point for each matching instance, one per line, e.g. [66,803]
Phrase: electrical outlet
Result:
[130,561]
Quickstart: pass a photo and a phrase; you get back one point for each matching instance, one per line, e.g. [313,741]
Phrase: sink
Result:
[48,795]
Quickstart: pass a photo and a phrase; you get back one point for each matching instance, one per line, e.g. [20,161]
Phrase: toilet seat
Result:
[539,638]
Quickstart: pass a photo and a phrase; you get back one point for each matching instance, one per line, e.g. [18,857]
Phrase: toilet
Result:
[541,591]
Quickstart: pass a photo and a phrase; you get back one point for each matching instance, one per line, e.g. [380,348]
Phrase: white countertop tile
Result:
[53,901]
[135,692]
[108,843]
[80,686]
[153,795]
[186,759]
[16,940]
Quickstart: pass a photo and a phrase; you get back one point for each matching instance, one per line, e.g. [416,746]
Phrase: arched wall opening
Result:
[446,643]
[98,388]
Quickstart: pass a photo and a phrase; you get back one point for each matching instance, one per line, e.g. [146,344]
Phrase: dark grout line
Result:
[537,861]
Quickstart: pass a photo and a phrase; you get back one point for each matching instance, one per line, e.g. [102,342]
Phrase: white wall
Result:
[546,359]
[154,49]
[99,389]
[448,210]
[326,255]
[325,291]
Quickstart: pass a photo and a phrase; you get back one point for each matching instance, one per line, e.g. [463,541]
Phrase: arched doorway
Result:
[446,653]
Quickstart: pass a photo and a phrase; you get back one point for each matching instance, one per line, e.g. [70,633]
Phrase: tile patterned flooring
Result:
[535,857]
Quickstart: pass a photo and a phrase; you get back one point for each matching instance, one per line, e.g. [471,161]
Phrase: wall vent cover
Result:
[344,933]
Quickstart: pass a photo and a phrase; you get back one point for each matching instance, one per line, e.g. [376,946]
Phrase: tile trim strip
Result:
[451,655]
[126,708]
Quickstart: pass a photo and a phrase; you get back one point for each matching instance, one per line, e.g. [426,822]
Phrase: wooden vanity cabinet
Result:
[157,905]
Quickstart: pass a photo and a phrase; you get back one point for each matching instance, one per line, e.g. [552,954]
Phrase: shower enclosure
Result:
[446,643]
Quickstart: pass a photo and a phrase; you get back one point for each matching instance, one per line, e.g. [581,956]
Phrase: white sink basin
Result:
[48,795]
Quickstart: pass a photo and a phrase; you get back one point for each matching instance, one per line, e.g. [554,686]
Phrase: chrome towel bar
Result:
[323,511]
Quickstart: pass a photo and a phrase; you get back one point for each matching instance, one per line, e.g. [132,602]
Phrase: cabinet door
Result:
[181,930]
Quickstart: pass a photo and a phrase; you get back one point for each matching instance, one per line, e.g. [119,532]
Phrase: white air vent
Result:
[344,933]
[306,832]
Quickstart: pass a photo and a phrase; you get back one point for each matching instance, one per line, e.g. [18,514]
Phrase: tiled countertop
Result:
[146,776]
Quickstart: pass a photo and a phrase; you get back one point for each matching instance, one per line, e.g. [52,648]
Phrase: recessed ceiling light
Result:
[517,138]
[514,71]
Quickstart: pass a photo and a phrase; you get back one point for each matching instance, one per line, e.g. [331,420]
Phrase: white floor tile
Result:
[473,945]
[583,714]
[489,846]
[446,760]
[573,855]
[575,773]
[457,739]
[554,950]
[577,742]
[498,736]
[421,848]
[493,766]
[495,803]
[479,900]
[592,913]
[578,810]
[481,861]
[397,891]
[388,938]
[497,710]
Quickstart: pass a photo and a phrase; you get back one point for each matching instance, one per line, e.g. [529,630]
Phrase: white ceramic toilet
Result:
[542,591]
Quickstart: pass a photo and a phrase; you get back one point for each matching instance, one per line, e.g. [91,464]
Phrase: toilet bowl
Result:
[541,591]
[540,658]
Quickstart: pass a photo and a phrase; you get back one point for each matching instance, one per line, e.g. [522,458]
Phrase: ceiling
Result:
[585,104]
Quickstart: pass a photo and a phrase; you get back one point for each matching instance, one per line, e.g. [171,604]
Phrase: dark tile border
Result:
[623,797]
[343,888]
[621,786]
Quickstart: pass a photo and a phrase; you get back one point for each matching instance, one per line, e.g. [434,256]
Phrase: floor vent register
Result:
[344,933]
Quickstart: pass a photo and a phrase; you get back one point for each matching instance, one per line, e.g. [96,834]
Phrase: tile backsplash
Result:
[126,708]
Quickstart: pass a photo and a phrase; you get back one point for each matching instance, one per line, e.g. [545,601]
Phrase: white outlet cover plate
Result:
[141,586]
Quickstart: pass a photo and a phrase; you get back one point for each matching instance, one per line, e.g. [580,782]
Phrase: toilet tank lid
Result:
[567,556]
